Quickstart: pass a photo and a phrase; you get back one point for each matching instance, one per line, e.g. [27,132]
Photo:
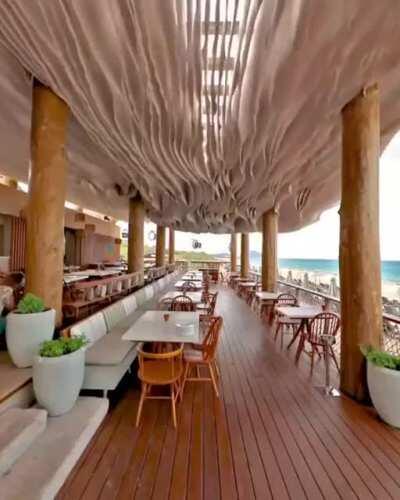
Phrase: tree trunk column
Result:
[160,246]
[46,198]
[171,246]
[360,265]
[244,256]
[136,235]
[234,252]
[269,269]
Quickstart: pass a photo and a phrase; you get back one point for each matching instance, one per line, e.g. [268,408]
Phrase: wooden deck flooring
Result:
[271,435]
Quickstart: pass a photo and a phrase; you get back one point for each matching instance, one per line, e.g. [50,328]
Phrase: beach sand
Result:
[390,290]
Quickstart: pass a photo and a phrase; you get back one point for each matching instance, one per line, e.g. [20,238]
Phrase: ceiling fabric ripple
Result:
[214,111]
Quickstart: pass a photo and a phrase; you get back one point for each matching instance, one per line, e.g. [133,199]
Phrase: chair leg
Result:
[140,407]
[312,359]
[214,382]
[218,373]
[173,409]
[278,327]
[185,375]
[334,359]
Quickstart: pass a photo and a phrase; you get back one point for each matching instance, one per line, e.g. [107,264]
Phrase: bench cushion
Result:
[114,314]
[129,304]
[93,328]
[149,291]
[109,350]
[140,296]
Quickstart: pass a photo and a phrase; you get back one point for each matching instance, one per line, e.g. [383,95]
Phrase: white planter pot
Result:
[384,388]
[25,333]
[58,381]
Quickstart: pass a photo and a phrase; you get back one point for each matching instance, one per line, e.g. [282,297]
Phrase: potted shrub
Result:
[383,375]
[58,373]
[27,327]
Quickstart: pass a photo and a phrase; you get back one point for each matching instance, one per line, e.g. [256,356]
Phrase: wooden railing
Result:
[391,323]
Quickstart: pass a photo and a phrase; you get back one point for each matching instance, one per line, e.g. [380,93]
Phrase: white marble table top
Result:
[182,327]
[301,312]
[196,284]
[194,296]
[267,295]
[192,277]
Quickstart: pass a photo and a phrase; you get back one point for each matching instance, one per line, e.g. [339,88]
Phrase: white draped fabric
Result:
[214,111]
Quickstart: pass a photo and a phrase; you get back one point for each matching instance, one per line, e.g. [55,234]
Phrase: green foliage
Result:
[30,304]
[61,346]
[381,358]
[193,256]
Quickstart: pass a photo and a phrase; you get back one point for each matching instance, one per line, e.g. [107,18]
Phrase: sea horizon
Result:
[390,268]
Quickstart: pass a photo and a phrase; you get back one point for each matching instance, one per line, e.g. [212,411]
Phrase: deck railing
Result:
[391,323]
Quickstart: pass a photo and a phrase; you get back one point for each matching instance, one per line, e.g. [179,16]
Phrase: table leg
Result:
[300,328]
[304,333]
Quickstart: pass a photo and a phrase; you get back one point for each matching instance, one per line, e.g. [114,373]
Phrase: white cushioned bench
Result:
[108,357]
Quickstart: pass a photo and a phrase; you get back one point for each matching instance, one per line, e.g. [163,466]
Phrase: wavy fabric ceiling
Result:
[214,111]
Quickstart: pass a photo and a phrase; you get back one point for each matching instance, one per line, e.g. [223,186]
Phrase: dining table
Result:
[192,277]
[161,326]
[303,313]
[195,297]
[197,285]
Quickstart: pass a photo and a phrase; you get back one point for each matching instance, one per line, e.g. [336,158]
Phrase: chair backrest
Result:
[182,303]
[325,323]
[210,342]
[286,299]
[173,361]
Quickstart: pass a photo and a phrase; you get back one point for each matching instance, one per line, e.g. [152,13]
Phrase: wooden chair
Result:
[204,355]
[182,303]
[325,323]
[160,369]
[285,299]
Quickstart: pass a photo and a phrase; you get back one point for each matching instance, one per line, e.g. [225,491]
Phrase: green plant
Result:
[30,304]
[381,358]
[61,346]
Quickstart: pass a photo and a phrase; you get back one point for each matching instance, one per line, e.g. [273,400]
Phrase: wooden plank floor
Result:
[271,435]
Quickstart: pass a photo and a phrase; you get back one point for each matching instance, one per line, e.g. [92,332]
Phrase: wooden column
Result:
[47,186]
[360,265]
[171,246]
[136,235]
[160,246]
[244,255]
[269,268]
[233,252]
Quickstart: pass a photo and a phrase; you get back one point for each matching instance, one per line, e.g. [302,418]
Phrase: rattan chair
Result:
[285,299]
[182,303]
[160,369]
[325,323]
[204,355]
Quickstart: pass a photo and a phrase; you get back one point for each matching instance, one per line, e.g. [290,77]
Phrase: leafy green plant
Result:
[381,358]
[61,346]
[30,304]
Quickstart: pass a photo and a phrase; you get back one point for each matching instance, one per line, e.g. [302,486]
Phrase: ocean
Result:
[390,268]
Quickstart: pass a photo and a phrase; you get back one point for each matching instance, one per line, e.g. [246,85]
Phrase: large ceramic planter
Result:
[384,388]
[25,333]
[58,381]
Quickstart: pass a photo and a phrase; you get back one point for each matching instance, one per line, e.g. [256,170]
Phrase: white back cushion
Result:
[93,328]
[114,314]
[149,291]
[129,304]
